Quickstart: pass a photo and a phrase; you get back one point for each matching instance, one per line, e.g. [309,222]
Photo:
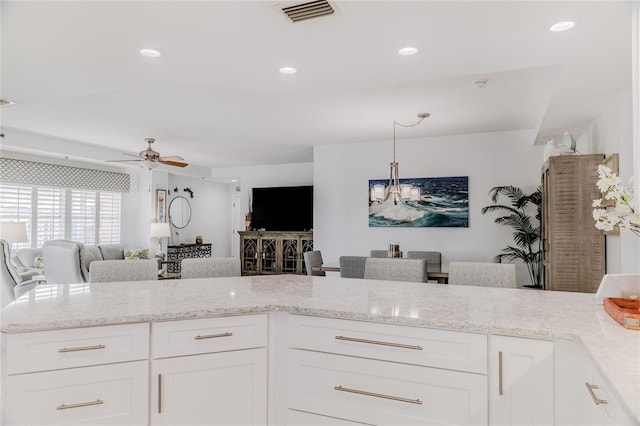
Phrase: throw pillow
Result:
[136,254]
[38,262]
[112,252]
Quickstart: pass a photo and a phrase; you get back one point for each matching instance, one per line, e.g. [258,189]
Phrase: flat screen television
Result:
[286,208]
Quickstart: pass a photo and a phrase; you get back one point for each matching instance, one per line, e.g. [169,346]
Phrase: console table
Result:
[274,252]
[175,254]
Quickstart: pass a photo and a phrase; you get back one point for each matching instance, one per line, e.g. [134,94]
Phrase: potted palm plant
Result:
[517,211]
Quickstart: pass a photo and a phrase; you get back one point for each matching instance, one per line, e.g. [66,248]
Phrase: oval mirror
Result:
[179,212]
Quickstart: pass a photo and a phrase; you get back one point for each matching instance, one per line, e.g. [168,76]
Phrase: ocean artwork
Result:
[427,202]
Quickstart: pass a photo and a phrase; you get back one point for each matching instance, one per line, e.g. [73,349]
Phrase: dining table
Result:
[441,277]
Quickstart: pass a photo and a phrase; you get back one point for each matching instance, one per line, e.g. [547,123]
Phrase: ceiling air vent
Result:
[312,9]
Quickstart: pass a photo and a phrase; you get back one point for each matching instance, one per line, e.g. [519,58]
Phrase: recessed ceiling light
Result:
[150,53]
[408,51]
[562,26]
[288,70]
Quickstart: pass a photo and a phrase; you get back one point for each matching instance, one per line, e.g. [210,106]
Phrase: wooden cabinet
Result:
[210,371]
[520,381]
[175,254]
[573,249]
[94,376]
[384,374]
[263,252]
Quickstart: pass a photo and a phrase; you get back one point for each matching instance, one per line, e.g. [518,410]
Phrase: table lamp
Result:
[160,231]
[14,232]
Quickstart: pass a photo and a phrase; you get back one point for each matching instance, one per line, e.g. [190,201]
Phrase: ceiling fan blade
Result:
[171,158]
[131,155]
[174,163]
[121,161]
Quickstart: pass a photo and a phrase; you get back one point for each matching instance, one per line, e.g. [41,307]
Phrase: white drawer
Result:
[76,347]
[414,345]
[300,418]
[190,337]
[113,394]
[384,393]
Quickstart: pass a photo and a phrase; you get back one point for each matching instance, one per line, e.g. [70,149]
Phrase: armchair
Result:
[64,262]
[12,285]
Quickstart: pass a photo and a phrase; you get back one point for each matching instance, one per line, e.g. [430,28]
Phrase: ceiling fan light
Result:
[147,164]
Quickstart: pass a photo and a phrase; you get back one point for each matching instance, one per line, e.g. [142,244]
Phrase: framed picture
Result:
[161,205]
[426,203]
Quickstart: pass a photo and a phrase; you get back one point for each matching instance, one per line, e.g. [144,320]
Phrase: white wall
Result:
[210,213]
[611,133]
[342,172]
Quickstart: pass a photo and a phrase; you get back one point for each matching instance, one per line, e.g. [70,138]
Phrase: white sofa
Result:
[29,262]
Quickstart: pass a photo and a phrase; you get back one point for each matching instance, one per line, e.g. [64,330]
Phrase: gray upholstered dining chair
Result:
[381,253]
[210,267]
[352,266]
[101,271]
[11,283]
[396,269]
[484,274]
[433,258]
[311,259]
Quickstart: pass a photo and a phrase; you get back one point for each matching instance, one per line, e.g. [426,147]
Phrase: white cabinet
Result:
[384,374]
[582,395]
[224,384]
[97,376]
[227,388]
[520,381]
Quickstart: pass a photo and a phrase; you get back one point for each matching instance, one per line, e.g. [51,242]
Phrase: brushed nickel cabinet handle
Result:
[378,342]
[79,404]
[213,336]
[596,400]
[82,348]
[159,393]
[500,373]
[378,395]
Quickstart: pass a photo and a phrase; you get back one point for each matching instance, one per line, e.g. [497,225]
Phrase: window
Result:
[89,217]
[50,217]
[83,216]
[15,206]
[110,217]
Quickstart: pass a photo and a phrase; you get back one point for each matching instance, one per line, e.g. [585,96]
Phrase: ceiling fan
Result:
[152,158]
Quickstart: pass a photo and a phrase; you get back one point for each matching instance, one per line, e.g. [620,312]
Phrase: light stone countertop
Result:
[511,312]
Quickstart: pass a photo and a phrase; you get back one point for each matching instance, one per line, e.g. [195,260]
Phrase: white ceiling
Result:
[216,98]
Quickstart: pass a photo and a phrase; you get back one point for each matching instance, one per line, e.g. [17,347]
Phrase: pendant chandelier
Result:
[394,189]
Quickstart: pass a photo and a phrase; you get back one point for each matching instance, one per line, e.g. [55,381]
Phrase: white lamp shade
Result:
[160,230]
[14,232]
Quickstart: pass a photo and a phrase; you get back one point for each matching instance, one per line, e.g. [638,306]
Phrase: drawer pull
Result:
[213,336]
[82,348]
[378,342]
[159,393]
[80,404]
[378,395]
[596,400]
[500,390]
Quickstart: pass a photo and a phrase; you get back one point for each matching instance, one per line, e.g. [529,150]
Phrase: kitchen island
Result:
[518,313]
